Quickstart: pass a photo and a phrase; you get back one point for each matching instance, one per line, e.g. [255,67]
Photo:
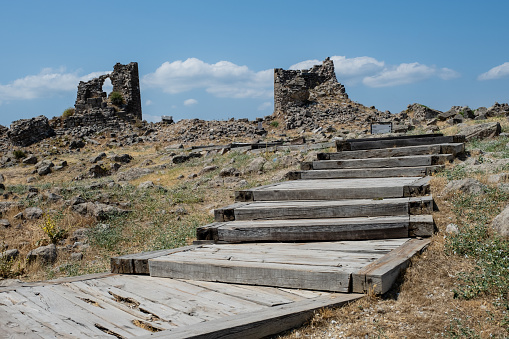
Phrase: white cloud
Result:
[498,72]
[374,73]
[265,106]
[348,70]
[47,83]
[190,102]
[222,79]
[406,74]
[148,102]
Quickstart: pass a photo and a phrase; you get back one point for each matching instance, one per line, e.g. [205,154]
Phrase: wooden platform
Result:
[325,266]
[112,305]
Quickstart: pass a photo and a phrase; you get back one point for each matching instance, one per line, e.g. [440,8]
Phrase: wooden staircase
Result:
[347,222]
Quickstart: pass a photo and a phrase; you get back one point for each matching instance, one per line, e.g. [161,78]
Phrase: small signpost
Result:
[381,128]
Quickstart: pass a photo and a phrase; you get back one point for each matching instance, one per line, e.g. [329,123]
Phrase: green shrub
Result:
[116,99]
[19,154]
[68,112]
[274,123]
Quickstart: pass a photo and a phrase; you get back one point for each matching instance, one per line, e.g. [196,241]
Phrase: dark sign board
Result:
[381,128]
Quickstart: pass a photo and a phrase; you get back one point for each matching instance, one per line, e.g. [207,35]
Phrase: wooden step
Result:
[407,161]
[337,189]
[323,229]
[380,143]
[452,148]
[314,209]
[325,266]
[365,173]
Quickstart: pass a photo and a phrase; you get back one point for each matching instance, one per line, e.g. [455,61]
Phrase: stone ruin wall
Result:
[305,98]
[92,107]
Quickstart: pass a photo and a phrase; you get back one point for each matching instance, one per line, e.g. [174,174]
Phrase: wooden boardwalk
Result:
[127,306]
[345,224]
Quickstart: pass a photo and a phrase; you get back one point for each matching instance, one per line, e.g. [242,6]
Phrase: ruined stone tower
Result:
[92,106]
[303,96]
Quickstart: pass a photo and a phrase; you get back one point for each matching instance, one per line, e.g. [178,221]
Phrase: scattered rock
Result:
[256,165]
[133,173]
[501,223]
[79,235]
[44,170]
[468,186]
[452,229]
[146,184]
[77,256]
[207,169]
[123,158]
[98,210]
[43,254]
[9,254]
[229,172]
[481,131]
[30,160]
[98,171]
[53,197]
[75,144]
[5,223]
[497,178]
[32,213]
[98,158]
[26,132]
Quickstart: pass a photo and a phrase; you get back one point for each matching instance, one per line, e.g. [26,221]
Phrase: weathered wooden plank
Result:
[380,275]
[189,308]
[262,323]
[266,296]
[16,325]
[327,229]
[330,189]
[313,209]
[419,187]
[46,310]
[266,274]
[137,263]
[365,173]
[227,213]
[381,153]
[55,281]
[454,149]
[421,226]
[406,161]
[347,261]
[421,205]
[362,144]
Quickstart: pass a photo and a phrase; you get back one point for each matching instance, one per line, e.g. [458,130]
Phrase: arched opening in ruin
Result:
[107,86]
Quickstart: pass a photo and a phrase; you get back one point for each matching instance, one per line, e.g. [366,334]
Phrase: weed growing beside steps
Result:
[475,240]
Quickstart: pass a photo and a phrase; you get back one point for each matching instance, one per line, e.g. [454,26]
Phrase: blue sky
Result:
[215,59]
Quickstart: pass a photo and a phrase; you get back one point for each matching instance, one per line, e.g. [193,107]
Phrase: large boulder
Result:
[26,132]
[481,131]
[467,186]
[43,254]
[501,223]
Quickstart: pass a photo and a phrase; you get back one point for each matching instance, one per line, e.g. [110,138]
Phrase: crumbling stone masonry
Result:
[298,88]
[93,108]
[25,132]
